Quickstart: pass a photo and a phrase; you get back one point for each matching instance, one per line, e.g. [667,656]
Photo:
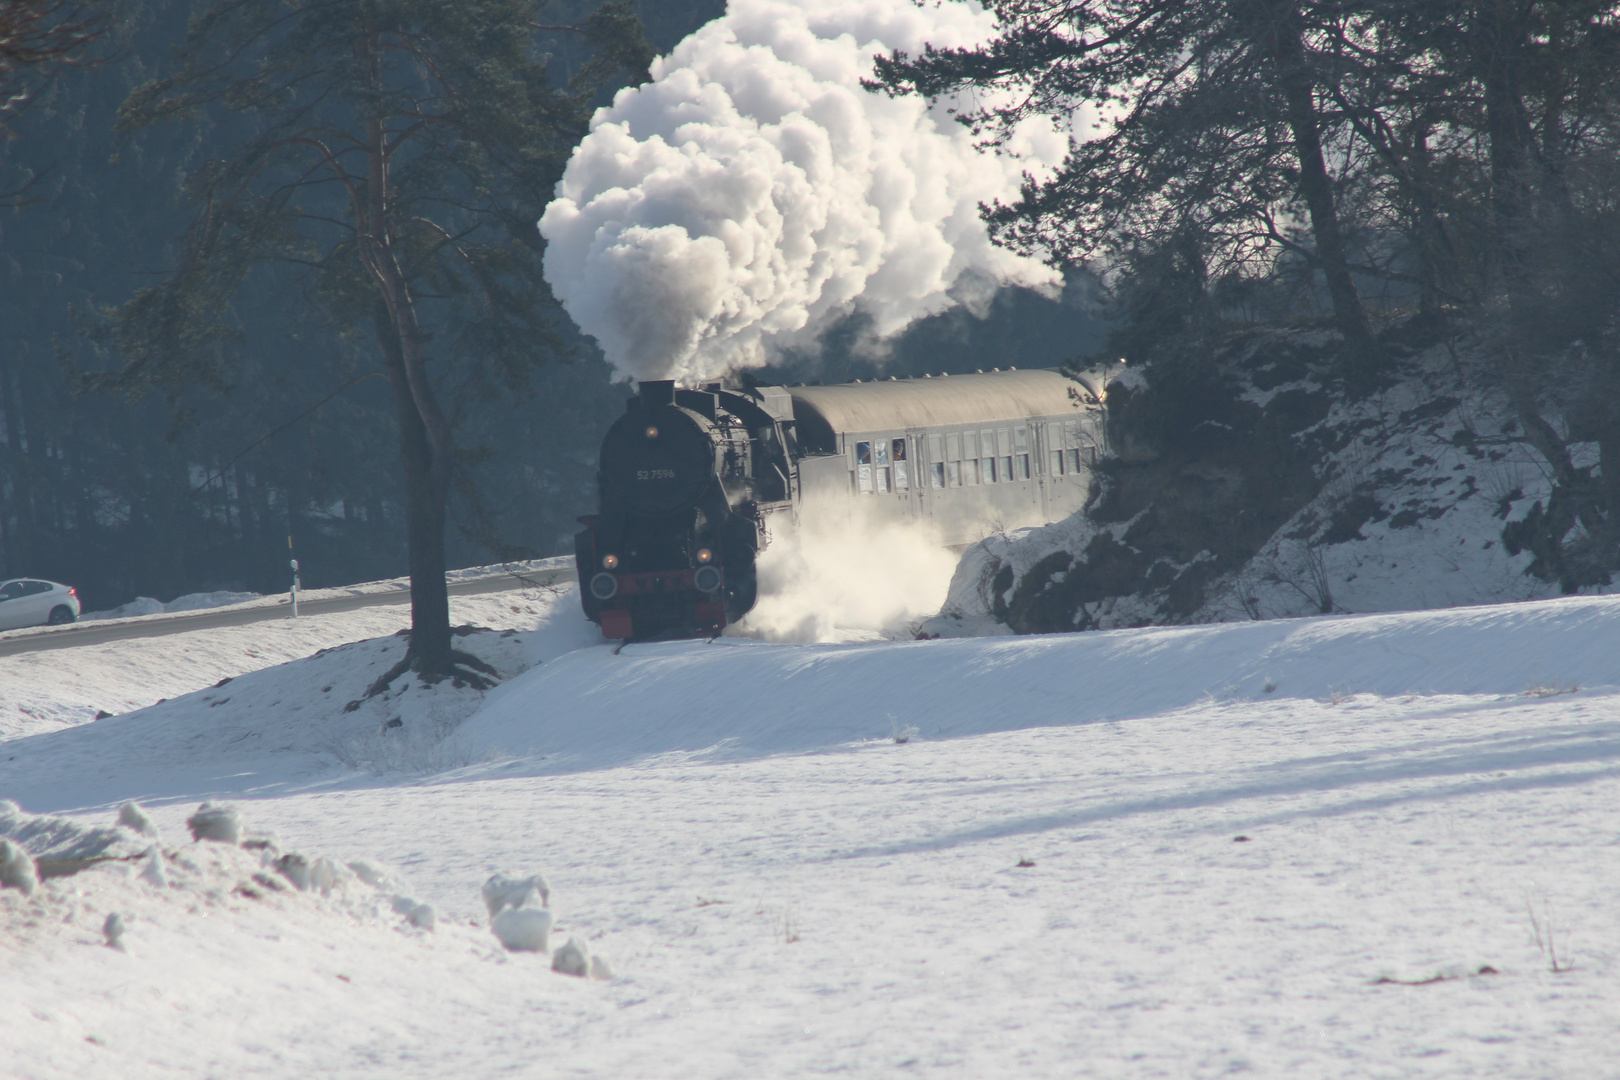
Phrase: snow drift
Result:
[594,709]
[753,193]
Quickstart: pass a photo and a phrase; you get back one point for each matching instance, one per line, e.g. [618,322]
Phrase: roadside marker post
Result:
[295,583]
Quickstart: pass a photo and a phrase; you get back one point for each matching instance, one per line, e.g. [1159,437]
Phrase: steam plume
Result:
[752,194]
[855,581]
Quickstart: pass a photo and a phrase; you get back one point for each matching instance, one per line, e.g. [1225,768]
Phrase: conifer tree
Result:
[1209,126]
[400,151]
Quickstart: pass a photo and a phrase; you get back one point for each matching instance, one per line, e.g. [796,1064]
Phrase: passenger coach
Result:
[967,454]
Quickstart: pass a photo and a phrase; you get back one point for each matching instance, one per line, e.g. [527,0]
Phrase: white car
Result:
[32,602]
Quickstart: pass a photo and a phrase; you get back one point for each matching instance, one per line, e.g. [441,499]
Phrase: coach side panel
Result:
[966,481]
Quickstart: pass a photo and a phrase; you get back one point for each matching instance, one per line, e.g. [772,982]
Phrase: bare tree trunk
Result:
[1298,89]
[426,491]
[426,444]
[1502,33]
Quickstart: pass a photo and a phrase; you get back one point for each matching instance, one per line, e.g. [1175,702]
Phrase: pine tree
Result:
[1210,130]
[399,151]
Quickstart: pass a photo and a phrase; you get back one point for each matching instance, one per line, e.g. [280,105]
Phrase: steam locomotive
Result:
[694,482]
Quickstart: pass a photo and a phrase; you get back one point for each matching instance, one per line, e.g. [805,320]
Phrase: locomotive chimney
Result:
[658,392]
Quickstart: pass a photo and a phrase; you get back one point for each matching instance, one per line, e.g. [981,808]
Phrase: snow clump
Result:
[17,869]
[503,892]
[420,915]
[522,923]
[517,912]
[117,874]
[320,874]
[573,958]
[132,815]
[211,822]
[523,929]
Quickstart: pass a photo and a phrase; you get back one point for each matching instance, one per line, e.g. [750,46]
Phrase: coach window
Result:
[987,458]
[953,461]
[936,462]
[1054,449]
[970,458]
[902,473]
[1004,451]
[1021,453]
[863,467]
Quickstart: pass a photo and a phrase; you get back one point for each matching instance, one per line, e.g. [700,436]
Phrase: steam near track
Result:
[753,193]
[849,583]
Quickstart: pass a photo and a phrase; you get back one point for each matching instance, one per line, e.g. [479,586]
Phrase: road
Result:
[100,631]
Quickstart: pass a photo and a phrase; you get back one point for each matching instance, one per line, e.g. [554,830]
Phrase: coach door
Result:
[922,505]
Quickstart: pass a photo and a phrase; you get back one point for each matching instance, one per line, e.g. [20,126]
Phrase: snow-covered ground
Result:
[57,688]
[1313,847]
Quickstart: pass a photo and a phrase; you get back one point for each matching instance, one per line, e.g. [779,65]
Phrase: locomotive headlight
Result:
[610,562]
[652,432]
[704,555]
[707,579]
[604,586]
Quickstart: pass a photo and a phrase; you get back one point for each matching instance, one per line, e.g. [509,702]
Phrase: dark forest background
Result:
[1391,175]
[117,498]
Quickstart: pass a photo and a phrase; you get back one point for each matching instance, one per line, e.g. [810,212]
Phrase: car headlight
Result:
[604,586]
[707,579]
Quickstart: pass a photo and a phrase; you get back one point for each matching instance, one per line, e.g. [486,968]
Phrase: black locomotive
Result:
[689,480]
[693,482]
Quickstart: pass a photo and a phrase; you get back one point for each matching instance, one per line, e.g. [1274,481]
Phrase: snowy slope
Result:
[51,689]
[784,889]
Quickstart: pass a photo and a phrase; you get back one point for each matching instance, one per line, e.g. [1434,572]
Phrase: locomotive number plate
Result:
[655,474]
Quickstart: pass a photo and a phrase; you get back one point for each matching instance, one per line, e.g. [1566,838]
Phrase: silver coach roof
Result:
[989,397]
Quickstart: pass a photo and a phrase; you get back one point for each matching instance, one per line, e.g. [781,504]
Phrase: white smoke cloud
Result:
[753,193]
[856,581]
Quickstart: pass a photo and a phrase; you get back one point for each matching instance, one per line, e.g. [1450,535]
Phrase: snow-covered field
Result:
[51,689]
[1297,848]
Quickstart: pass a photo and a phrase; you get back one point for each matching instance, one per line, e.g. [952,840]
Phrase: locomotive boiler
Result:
[693,483]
